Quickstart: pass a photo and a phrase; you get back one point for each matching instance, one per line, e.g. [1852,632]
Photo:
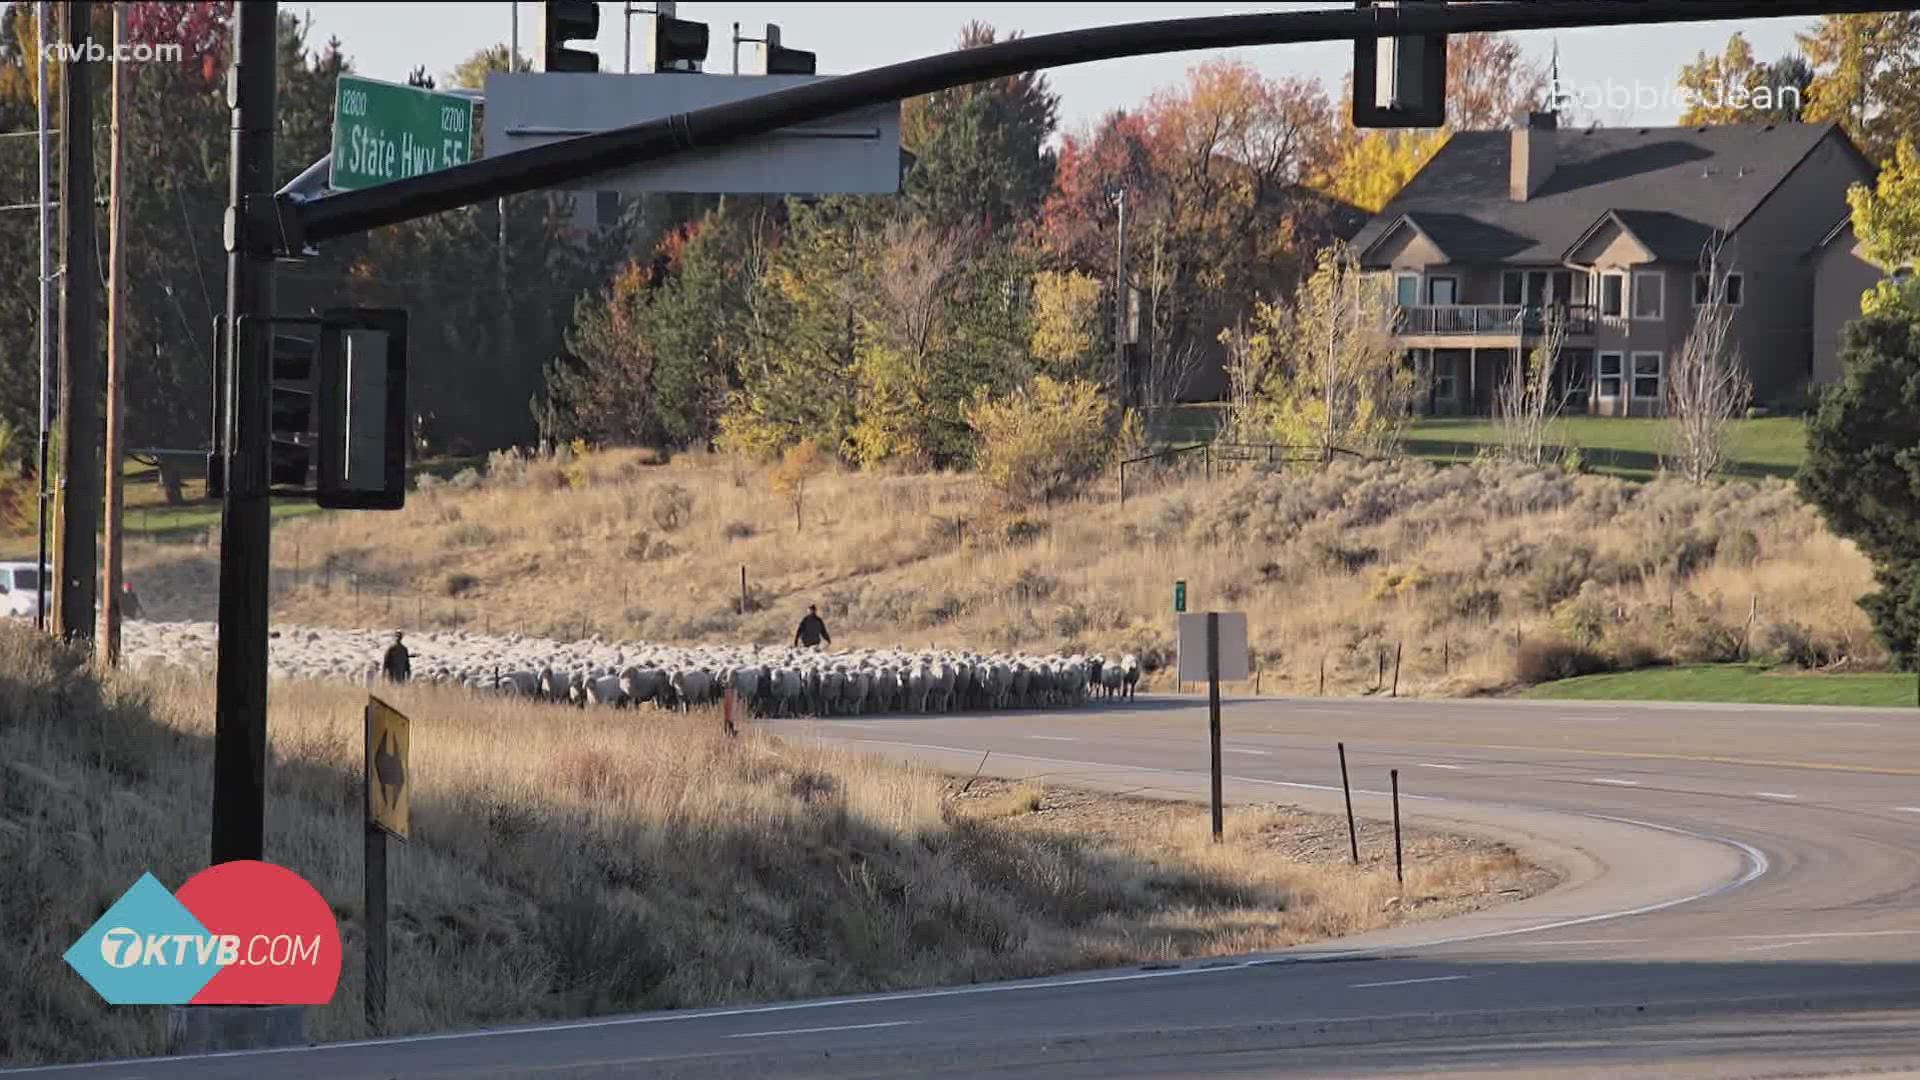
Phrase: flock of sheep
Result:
[773,682]
[794,682]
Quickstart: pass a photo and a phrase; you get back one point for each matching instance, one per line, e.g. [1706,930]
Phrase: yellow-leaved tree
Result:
[1042,440]
[1066,321]
[1324,370]
[800,464]
[1886,218]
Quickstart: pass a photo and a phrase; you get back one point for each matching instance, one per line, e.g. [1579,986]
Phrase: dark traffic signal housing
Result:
[672,44]
[337,414]
[1399,82]
[769,57]
[561,23]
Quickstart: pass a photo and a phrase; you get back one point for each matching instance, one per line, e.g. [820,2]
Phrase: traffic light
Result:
[562,22]
[292,419]
[769,57]
[364,425]
[1399,82]
[673,44]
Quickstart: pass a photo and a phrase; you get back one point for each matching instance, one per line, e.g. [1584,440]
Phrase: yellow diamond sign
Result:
[388,782]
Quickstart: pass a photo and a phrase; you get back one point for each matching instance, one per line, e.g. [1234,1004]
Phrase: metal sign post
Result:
[387,814]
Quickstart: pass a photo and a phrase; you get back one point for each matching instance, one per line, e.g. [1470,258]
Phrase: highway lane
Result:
[1730,874]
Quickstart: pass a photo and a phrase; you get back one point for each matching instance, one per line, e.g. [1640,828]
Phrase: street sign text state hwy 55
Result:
[384,132]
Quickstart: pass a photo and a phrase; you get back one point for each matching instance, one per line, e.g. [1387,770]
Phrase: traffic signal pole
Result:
[240,710]
[556,164]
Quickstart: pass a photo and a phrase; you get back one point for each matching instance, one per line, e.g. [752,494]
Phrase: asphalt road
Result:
[1740,899]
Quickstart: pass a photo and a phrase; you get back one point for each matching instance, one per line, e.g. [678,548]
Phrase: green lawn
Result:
[1738,683]
[1620,447]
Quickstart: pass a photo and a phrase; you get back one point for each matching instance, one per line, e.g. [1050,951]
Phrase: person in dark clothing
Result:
[813,630]
[129,601]
[398,663]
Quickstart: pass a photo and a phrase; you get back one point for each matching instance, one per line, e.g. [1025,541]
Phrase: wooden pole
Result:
[76,509]
[743,590]
[1396,669]
[111,572]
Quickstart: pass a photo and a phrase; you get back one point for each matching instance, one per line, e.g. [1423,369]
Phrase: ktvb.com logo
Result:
[241,933]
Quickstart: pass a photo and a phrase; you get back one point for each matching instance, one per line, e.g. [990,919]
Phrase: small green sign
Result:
[1179,597]
[384,132]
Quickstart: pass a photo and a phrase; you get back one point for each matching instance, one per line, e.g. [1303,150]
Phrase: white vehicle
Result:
[19,589]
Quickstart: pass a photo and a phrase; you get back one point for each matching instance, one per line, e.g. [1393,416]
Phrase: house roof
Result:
[1670,187]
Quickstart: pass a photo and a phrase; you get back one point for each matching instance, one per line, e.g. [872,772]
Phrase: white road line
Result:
[1615,783]
[1411,982]
[1775,945]
[1054,738]
[1775,795]
[1581,941]
[1845,723]
[1240,750]
[1429,765]
[1812,934]
[1908,809]
[813,1030]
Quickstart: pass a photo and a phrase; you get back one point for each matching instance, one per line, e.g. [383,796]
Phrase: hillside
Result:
[1480,576]
[566,863]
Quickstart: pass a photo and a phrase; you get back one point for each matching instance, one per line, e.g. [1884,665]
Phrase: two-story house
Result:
[1610,225]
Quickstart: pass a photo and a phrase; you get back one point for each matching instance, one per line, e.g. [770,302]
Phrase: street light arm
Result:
[587,156]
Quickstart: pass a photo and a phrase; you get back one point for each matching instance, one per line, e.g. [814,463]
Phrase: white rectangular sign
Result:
[1235,663]
[854,153]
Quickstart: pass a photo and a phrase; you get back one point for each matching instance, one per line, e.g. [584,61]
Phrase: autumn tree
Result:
[798,466]
[1216,206]
[1886,218]
[1866,77]
[1066,313]
[1736,88]
[1330,374]
[1043,440]
[800,380]
[981,149]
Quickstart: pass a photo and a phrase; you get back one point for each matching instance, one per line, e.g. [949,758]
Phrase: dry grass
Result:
[1340,566]
[566,863]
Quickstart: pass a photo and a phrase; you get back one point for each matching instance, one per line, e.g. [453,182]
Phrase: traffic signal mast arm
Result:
[348,213]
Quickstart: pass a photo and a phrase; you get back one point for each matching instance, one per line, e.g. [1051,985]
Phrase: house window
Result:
[1649,296]
[1646,375]
[1612,372]
[1443,291]
[1735,295]
[1513,291]
[1406,289]
[1446,385]
[1613,295]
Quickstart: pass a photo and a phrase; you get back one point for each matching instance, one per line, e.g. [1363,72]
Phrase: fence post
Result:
[1396,669]
[1123,483]
[1353,834]
[1399,875]
[1323,674]
[743,590]
[1206,454]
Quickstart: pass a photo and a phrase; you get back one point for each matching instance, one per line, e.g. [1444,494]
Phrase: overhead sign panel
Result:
[854,153]
[384,132]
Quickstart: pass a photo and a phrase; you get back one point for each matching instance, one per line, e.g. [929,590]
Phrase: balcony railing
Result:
[1465,320]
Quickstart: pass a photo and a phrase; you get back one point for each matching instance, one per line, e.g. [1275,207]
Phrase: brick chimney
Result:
[1533,158]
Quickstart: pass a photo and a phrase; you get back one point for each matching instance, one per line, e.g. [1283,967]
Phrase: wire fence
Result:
[1169,462]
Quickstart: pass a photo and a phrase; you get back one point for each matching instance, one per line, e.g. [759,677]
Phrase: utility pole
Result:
[110,577]
[1122,378]
[240,707]
[77,499]
[43,587]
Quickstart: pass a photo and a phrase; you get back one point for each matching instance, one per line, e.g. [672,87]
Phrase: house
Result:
[1609,226]
[1843,273]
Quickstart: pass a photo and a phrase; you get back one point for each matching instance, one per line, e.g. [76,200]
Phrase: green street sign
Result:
[384,132]
[1179,596]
